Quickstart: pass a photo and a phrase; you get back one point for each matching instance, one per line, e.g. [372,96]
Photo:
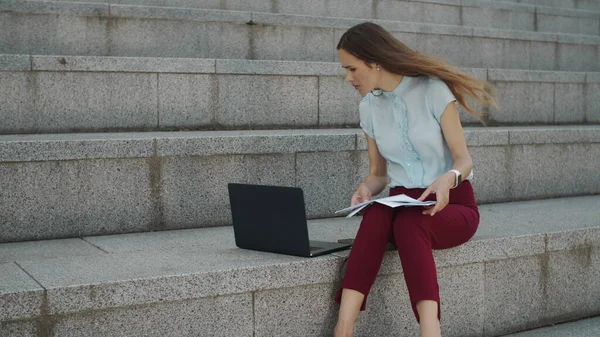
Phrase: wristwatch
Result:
[458,177]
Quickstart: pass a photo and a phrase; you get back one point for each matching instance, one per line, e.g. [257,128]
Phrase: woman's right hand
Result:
[362,194]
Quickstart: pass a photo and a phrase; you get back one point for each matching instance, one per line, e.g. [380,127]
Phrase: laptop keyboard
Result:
[315,248]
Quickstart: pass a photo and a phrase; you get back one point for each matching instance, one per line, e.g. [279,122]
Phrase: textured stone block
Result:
[514,294]
[577,57]
[250,101]
[497,18]
[207,4]
[20,295]
[539,164]
[15,62]
[555,135]
[122,64]
[569,103]
[543,56]
[194,189]
[25,33]
[293,43]
[187,101]
[217,316]
[254,142]
[328,180]
[19,329]
[592,102]
[45,147]
[419,12]
[291,311]
[490,173]
[72,198]
[332,8]
[524,103]
[67,102]
[16,101]
[338,102]
[44,249]
[270,67]
[568,285]
[83,283]
[567,24]
[179,38]
[583,328]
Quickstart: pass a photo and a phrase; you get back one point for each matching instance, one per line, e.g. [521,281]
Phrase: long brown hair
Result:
[371,43]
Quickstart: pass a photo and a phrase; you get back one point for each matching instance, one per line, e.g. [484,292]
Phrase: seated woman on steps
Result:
[415,137]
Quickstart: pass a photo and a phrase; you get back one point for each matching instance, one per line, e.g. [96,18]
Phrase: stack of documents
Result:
[393,201]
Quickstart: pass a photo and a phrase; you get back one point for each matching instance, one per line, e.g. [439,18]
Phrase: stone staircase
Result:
[123,122]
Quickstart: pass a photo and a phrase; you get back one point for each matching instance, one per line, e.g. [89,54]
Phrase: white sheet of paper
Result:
[393,201]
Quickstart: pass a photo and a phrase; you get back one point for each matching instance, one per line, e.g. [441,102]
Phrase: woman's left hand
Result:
[441,187]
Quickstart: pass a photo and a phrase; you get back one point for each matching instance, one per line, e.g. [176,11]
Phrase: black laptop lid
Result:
[269,218]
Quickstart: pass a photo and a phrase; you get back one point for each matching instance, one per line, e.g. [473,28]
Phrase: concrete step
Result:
[593,5]
[583,328]
[72,185]
[471,13]
[62,94]
[122,30]
[530,264]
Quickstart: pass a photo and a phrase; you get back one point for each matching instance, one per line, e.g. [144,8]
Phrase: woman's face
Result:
[360,75]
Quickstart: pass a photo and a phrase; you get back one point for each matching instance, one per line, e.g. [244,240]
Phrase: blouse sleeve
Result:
[366,120]
[438,97]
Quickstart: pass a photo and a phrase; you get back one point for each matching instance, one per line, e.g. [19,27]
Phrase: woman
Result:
[415,138]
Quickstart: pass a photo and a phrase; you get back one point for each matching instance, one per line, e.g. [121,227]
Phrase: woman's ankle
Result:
[343,329]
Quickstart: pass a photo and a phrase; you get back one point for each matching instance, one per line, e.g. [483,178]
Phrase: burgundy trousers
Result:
[415,235]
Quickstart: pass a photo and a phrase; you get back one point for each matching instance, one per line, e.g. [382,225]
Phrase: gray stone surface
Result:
[569,103]
[283,101]
[418,11]
[583,328]
[16,103]
[489,178]
[592,102]
[15,62]
[498,19]
[338,102]
[152,12]
[574,239]
[270,67]
[30,250]
[577,57]
[514,294]
[67,102]
[72,198]
[254,142]
[46,147]
[538,216]
[331,8]
[28,33]
[55,7]
[187,100]
[215,316]
[539,164]
[555,134]
[328,180]
[179,38]
[122,64]
[292,311]
[511,75]
[543,56]
[124,279]
[568,285]
[565,24]
[194,189]
[292,43]
[524,103]
[19,329]
[20,295]
[476,136]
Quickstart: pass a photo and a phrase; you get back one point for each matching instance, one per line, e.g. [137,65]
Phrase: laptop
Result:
[273,219]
